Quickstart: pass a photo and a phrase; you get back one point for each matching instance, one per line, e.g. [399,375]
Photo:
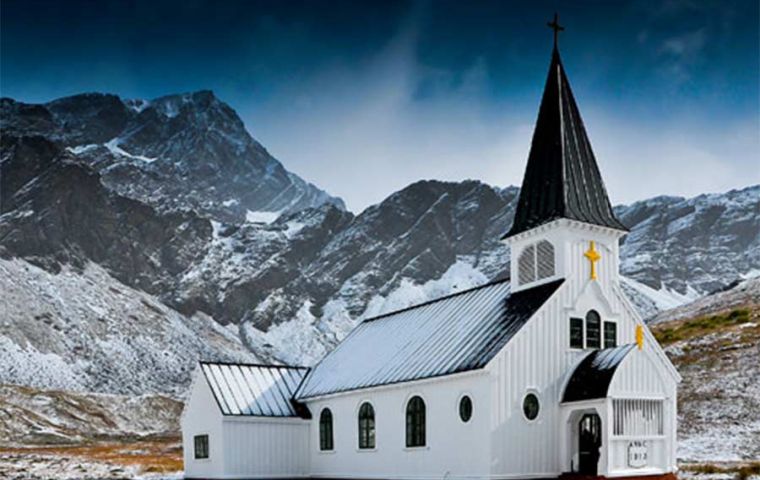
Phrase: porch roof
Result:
[591,378]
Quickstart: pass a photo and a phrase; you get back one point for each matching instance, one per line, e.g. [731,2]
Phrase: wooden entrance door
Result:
[589,443]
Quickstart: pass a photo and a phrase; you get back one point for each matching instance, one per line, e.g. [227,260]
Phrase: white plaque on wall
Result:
[637,454]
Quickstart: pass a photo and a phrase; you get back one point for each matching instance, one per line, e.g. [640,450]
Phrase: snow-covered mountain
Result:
[171,200]
[178,151]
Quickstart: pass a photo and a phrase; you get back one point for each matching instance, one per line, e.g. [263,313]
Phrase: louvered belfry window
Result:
[415,422]
[526,265]
[536,262]
[544,260]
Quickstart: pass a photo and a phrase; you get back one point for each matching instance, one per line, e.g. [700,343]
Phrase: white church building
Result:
[550,374]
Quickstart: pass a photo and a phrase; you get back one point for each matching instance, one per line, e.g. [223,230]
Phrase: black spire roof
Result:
[562,179]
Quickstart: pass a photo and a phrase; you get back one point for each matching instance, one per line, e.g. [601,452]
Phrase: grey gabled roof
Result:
[592,377]
[452,334]
[255,390]
[562,179]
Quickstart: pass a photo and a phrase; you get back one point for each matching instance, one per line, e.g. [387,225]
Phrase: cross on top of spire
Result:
[554,25]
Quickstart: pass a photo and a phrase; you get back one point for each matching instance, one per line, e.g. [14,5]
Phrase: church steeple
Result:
[562,179]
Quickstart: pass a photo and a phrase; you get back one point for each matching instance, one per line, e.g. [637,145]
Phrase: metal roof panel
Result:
[452,334]
[254,390]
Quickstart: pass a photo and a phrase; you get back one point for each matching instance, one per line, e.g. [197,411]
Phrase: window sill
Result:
[417,449]
[627,438]
[366,450]
[326,452]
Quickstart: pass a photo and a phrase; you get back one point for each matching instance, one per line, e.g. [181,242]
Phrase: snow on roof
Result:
[254,390]
[452,334]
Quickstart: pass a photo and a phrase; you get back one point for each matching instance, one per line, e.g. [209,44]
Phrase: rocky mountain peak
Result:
[186,151]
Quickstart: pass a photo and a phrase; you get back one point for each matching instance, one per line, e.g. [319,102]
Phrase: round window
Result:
[530,406]
[465,408]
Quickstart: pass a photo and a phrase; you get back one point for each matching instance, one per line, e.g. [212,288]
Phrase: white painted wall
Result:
[454,449]
[265,447]
[642,376]
[201,416]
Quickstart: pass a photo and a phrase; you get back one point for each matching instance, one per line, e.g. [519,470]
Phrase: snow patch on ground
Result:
[664,299]
[113,147]
[460,276]
[261,217]
[79,149]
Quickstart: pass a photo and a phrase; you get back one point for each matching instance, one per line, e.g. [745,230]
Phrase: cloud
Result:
[678,158]
[364,130]
[396,122]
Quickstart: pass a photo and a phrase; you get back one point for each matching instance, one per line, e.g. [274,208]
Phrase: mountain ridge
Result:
[86,184]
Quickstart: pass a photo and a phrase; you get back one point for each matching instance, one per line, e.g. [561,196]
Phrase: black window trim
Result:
[462,397]
[326,431]
[600,326]
[529,393]
[418,438]
[198,454]
[582,331]
[365,426]
[604,333]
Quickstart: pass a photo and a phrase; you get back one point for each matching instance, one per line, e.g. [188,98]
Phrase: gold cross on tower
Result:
[593,257]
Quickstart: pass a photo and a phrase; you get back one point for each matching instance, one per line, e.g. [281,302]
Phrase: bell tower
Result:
[564,225]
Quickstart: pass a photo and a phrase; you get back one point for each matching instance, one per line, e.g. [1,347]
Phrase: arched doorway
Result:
[589,443]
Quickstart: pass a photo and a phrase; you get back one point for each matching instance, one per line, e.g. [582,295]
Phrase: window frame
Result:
[604,334]
[367,431]
[599,327]
[199,455]
[326,442]
[582,332]
[416,422]
[534,394]
[468,398]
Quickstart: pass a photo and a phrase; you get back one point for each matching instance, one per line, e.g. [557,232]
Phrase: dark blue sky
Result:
[365,97]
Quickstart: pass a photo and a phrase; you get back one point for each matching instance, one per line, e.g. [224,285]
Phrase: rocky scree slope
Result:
[46,417]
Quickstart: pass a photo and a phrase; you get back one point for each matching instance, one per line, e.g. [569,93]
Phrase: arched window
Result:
[536,262]
[325,430]
[366,426]
[526,265]
[593,329]
[415,422]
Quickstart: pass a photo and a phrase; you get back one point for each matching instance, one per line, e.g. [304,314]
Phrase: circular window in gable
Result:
[531,406]
[465,408]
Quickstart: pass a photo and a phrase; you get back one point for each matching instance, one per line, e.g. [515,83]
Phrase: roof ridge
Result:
[257,365]
[438,299]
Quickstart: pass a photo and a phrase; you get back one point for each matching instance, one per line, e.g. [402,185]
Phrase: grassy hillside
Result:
[718,355]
